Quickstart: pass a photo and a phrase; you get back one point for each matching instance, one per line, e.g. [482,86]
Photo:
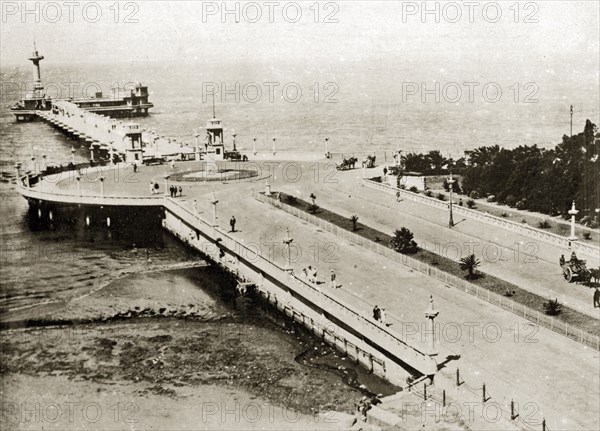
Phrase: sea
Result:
[359,107]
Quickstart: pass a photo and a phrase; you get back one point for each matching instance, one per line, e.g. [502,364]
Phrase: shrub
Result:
[428,193]
[552,307]
[292,200]
[469,264]
[522,204]
[504,215]
[491,198]
[544,224]
[474,194]
[587,235]
[414,189]
[471,203]
[312,208]
[354,220]
[511,201]
[403,241]
[523,221]
[441,196]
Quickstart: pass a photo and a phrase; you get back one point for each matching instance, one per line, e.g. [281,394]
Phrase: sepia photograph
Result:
[300,215]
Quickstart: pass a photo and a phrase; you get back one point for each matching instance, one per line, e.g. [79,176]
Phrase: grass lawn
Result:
[573,317]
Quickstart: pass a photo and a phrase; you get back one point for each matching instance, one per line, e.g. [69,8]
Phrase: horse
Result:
[595,274]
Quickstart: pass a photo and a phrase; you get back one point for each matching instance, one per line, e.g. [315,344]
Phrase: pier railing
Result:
[532,232]
[517,308]
[345,313]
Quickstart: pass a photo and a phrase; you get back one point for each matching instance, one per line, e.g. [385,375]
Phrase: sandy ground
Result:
[193,365]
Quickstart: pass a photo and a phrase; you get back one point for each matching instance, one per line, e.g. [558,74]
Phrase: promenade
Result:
[514,358]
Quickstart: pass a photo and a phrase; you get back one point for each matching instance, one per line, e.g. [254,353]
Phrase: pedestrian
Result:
[195,206]
[305,273]
[232,223]
[134,168]
[561,261]
[332,282]
[597,298]
[156,186]
[382,317]
[376,313]
[180,191]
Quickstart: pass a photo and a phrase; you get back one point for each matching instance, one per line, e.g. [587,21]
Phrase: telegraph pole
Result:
[571,121]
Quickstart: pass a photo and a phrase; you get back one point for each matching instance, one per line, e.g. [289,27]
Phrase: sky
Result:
[553,32]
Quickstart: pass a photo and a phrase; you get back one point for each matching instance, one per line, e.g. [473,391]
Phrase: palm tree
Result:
[403,241]
[469,263]
[354,220]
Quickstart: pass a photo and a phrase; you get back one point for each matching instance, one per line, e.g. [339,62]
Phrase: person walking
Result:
[180,191]
[232,223]
[376,313]
[332,282]
[597,298]
[195,206]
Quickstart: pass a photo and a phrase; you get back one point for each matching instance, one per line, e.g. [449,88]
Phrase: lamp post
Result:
[254,146]
[451,182]
[101,186]
[288,241]
[78,178]
[327,147]
[111,153]
[573,212]
[274,139]
[214,202]
[571,121]
[197,149]
[234,135]
[430,314]
[166,177]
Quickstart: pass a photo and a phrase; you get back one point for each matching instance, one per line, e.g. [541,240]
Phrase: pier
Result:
[405,351]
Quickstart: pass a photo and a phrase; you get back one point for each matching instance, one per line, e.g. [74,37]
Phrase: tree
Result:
[436,161]
[403,241]
[354,220]
[469,263]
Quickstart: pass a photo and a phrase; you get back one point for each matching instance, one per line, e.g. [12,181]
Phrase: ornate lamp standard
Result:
[166,177]
[288,241]
[451,182]
[573,212]
[197,149]
[78,178]
[430,314]
[214,201]
[571,121]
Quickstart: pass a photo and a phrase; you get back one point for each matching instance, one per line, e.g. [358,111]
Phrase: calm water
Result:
[40,265]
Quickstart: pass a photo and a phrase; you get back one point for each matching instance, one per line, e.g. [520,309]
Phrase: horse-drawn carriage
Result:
[575,270]
[369,162]
[347,164]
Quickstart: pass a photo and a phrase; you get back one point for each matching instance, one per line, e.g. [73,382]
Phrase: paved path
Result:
[530,264]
